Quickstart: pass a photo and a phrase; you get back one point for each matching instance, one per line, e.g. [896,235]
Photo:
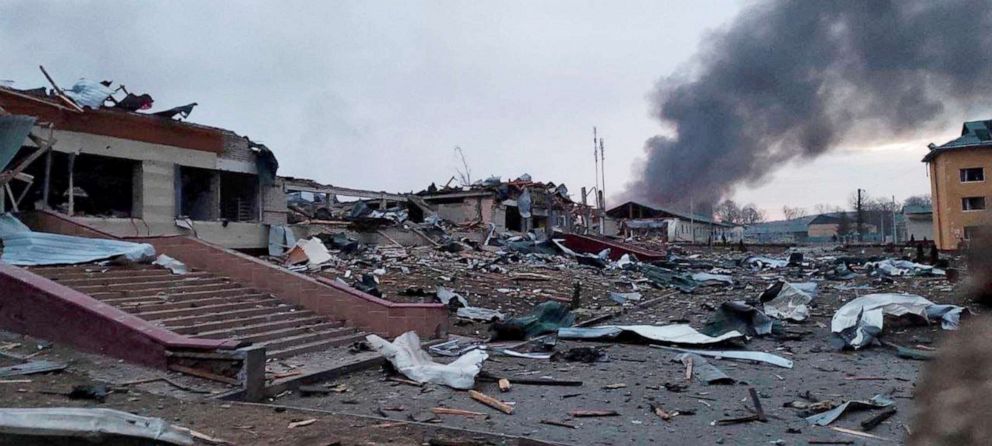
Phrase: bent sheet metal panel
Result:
[13,130]
[23,247]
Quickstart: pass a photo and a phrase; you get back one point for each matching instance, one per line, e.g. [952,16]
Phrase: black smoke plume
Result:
[790,80]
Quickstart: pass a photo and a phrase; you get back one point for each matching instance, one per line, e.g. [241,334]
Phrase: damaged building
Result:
[958,171]
[131,173]
[636,219]
[519,205]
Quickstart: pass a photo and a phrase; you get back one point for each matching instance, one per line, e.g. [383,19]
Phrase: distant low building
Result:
[917,223]
[672,226]
[782,231]
[959,185]
[821,228]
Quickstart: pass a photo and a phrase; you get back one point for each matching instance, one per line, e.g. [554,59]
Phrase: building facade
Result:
[138,174]
[960,186]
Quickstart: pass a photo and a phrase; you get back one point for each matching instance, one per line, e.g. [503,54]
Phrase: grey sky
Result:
[377,94]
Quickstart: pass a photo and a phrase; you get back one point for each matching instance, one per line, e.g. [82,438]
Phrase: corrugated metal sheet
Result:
[23,247]
[13,130]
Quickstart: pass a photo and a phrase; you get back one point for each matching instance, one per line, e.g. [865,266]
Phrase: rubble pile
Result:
[719,315]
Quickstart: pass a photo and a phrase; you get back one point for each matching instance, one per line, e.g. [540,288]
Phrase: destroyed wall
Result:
[950,220]
[157,188]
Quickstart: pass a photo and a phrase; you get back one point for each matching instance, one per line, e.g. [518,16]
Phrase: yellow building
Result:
[959,172]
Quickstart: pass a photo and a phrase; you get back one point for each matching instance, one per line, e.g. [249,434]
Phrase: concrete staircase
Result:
[204,305]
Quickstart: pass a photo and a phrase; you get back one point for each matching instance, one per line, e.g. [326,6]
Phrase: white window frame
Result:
[961,173]
[984,204]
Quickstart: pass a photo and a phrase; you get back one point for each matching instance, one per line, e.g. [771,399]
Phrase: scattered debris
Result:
[858,322]
[582,413]
[786,301]
[703,371]
[301,423]
[546,318]
[736,354]
[825,418]
[491,402]
[31,367]
[405,354]
[90,424]
[674,334]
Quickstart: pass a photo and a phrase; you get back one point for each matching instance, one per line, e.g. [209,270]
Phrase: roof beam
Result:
[317,188]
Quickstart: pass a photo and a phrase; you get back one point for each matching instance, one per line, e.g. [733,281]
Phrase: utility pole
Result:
[692,221]
[894,234]
[860,215]
[595,157]
[602,167]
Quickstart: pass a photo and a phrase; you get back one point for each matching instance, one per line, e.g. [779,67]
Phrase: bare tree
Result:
[728,211]
[824,208]
[464,174]
[792,213]
[919,200]
[750,214]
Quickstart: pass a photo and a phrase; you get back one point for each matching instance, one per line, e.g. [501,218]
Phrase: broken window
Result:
[102,186]
[972,174]
[198,194]
[973,232]
[973,203]
[514,222]
[238,196]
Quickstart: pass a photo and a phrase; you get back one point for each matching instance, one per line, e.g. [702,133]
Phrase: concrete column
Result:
[157,190]
[214,196]
[252,374]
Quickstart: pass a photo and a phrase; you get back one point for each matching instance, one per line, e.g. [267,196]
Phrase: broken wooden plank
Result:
[759,411]
[491,402]
[874,421]
[32,367]
[583,413]
[405,381]
[559,424]
[739,420]
[857,433]
[459,412]
[301,423]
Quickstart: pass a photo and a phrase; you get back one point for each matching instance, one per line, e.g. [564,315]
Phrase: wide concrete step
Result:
[209,311]
[159,304]
[243,331]
[110,294]
[109,274]
[282,343]
[315,346]
[162,283]
[180,297]
[137,278]
[194,328]
[204,316]
[90,267]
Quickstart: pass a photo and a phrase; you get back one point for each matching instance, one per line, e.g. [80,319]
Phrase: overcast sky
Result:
[376,95]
